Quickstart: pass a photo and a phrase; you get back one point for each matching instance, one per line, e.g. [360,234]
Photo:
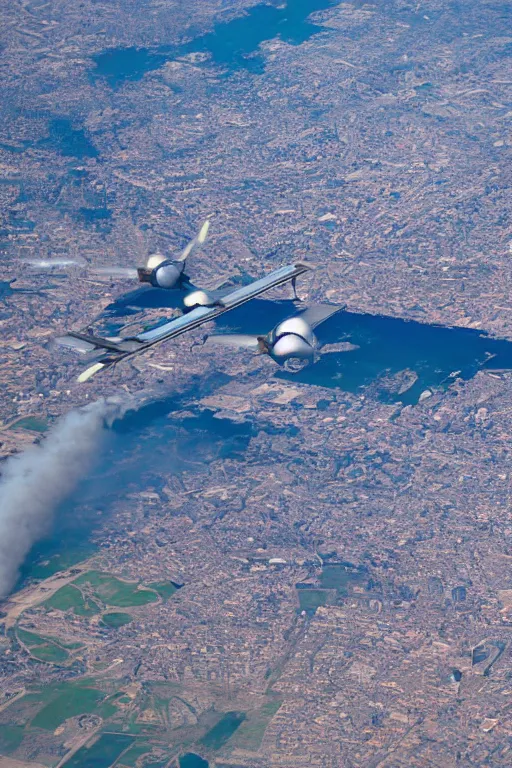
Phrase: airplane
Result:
[159,271]
[209,306]
[291,343]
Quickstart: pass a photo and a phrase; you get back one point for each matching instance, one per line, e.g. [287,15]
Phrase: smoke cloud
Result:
[36,481]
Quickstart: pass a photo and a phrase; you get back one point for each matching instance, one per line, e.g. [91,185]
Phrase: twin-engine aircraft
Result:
[292,339]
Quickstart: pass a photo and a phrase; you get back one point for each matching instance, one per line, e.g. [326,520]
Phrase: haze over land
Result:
[283,570]
[35,482]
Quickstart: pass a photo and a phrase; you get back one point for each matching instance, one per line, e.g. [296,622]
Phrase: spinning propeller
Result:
[159,271]
[291,339]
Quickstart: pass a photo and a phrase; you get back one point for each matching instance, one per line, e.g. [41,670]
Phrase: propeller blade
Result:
[197,241]
[154,260]
[318,313]
[52,263]
[87,374]
[116,271]
[242,340]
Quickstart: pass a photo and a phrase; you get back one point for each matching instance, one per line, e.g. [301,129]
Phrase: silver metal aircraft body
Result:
[169,273]
[206,307]
[291,340]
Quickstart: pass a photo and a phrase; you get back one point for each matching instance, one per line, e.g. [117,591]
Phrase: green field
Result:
[112,591]
[130,757]
[122,740]
[49,557]
[341,577]
[48,708]
[116,619]
[103,753]
[250,733]
[72,700]
[11,737]
[84,596]
[70,597]
[33,423]
[165,589]
[217,736]
[50,653]
[29,639]
[42,648]
[311,599]
[36,642]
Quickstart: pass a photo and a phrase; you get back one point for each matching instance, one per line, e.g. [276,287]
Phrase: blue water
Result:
[232,45]
[64,137]
[5,288]
[70,141]
[92,215]
[190,760]
[19,223]
[17,149]
[387,345]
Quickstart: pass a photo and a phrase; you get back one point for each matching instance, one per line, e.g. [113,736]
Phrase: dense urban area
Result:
[263,569]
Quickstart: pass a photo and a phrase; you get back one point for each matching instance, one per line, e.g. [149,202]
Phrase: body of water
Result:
[190,760]
[68,140]
[5,288]
[231,45]
[397,359]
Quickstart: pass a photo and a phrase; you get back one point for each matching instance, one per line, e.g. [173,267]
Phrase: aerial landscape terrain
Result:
[241,566]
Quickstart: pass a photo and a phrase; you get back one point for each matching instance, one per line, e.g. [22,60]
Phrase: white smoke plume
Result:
[36,481]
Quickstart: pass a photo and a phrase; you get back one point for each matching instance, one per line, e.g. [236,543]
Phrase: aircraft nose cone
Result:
[167,276]
[292,346]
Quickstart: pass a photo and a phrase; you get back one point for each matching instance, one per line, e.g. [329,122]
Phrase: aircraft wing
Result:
[318,313]
[116,349]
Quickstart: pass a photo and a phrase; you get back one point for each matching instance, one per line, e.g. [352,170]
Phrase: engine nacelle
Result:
[199,299]
[160,272]
[296,326]
[168,275]
[289,346]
